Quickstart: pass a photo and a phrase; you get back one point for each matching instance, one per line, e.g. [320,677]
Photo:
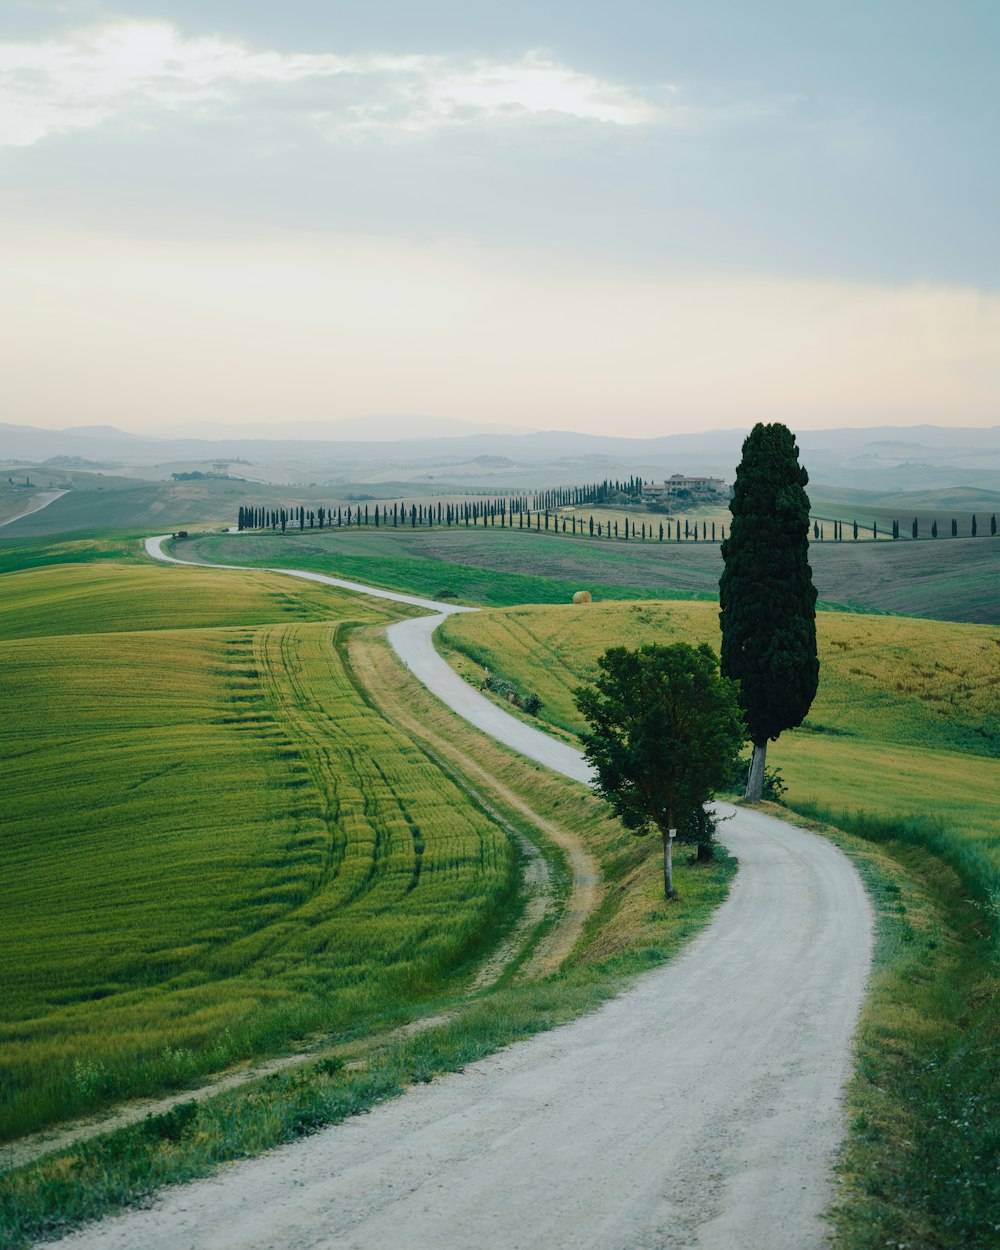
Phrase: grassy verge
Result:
[918,1167]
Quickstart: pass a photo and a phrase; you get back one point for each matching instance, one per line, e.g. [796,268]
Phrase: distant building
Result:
[679,484]
[221,467]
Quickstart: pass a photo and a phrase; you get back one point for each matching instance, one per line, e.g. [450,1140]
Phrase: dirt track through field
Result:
[699,1109]
[36,503]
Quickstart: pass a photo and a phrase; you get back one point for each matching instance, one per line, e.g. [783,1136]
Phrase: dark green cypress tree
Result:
[766,593]
[993,524]
[974,527]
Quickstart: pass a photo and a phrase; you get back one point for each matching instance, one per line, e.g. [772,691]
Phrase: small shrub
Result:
[172,1125]
[774,788]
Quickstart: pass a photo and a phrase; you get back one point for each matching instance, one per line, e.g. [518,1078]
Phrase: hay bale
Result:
[582,596]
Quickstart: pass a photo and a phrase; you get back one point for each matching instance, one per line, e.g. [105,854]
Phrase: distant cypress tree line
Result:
[896,530]
[541,512]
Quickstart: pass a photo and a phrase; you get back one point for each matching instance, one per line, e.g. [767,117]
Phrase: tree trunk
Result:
[668,863]
[704,852]
[755,781]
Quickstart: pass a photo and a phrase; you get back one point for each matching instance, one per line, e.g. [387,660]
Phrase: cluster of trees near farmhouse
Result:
[665,724]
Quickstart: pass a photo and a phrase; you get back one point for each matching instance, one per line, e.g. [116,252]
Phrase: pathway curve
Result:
[701,1108]
[36,503]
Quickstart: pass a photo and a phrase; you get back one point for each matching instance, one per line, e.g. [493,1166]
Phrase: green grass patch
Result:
[501,567]
[482,566]
[631,933]
[883,679]
[212,845]
[112,596]
[82,548]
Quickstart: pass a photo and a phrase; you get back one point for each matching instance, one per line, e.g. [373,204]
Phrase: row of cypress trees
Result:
[252,516]
[819,529]
[973,527]
[503,513]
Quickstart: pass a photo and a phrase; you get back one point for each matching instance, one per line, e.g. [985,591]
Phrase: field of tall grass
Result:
[906,720]
[212,844]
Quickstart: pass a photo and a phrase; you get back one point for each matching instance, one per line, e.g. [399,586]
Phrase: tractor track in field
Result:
[699,1109]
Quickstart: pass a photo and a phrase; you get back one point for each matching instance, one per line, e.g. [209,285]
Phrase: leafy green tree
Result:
[766,593]
[665,730]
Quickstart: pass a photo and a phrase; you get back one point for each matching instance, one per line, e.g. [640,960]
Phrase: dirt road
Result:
[699,1109]
[36,503]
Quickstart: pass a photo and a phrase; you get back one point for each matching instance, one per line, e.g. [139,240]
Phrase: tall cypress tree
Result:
[766,593]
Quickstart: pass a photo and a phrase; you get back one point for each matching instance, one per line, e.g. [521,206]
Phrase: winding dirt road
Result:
[36,503]
[701,1108]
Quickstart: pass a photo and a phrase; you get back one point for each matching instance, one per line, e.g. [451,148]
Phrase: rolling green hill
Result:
[906,720]
[211,843]
[950,580]
[926,506]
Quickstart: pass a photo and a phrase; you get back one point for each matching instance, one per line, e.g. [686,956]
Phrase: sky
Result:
[645,218]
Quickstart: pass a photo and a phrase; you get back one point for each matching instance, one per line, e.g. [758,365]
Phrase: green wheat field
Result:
[211,842]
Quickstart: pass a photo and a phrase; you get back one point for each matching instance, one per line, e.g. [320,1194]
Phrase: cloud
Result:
[128,68]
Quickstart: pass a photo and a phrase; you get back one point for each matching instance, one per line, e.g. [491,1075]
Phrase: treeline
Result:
[894,530]
[512,513]
[541,512]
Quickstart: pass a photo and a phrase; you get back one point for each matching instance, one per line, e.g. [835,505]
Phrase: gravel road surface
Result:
[701,1108]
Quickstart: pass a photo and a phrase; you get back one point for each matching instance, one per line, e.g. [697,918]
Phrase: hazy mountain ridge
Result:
[885,457]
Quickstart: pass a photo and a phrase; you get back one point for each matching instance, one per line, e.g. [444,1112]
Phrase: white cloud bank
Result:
[131,67]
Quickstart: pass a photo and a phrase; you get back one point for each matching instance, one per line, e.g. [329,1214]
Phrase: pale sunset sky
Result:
[640,218]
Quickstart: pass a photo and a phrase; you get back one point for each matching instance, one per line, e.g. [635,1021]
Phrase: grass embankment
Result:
[212,845]
[629,931]
[489,566]
[905,721]
[918,1167]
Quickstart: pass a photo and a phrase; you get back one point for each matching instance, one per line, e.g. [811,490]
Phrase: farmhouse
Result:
[679,484]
